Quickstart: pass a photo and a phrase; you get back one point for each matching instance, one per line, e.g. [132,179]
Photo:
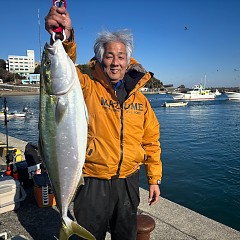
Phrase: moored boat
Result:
[13,115]
[197,93]
[175,104]
[233,95]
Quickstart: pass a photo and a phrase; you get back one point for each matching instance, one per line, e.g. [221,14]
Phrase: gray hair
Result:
[124,36]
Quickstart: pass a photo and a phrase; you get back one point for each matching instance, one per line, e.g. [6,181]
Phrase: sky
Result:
[207,52]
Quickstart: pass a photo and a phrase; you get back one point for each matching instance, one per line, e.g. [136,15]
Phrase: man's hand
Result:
[154,194]
[58,17]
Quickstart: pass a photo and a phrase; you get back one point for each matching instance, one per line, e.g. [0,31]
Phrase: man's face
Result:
[115,61]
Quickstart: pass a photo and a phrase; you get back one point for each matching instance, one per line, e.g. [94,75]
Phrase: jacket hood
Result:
[135,77]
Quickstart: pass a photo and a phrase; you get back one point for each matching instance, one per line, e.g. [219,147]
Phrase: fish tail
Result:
[71,228]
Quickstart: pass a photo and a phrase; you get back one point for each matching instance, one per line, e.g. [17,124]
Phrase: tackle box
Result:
[11,194]
[43,191]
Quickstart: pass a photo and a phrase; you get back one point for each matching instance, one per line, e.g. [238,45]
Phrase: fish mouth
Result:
[52,48]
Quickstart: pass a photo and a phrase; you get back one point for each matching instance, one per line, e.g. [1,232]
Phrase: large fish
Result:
[63,121]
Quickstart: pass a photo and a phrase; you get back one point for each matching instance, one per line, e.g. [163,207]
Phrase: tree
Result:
[37,69]
[154,83]
[2,64]
[19,77]
[181,86]
[6,76]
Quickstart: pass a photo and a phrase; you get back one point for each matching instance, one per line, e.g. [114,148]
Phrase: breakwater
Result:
[172,220]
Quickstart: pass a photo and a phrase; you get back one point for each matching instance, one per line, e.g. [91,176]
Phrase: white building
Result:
[22,65]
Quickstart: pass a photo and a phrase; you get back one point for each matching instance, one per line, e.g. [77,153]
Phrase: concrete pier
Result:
[172,220]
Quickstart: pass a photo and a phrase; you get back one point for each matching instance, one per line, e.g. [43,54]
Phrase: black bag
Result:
[31,154]
[26,169]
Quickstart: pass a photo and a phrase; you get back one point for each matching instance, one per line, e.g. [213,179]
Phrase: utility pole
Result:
[39,35]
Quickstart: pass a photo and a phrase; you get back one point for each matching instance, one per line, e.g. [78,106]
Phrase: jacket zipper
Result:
[121,146]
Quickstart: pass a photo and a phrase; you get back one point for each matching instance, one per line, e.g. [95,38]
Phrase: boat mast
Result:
[6,120]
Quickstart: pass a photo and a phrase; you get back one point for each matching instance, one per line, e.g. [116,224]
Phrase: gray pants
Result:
[102,205]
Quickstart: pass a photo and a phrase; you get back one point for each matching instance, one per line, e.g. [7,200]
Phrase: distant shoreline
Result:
[18,90]
[16,93]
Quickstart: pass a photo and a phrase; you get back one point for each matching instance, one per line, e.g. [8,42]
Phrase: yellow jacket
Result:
[120,138]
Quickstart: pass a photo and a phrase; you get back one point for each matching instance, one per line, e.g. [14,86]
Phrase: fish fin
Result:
[81,181]
[61,108]
[71,228]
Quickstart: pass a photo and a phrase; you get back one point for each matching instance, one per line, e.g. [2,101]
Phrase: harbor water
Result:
[200,152]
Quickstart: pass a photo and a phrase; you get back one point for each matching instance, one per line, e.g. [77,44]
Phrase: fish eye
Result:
[48,62]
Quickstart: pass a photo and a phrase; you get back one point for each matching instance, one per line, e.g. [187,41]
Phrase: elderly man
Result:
[123,133]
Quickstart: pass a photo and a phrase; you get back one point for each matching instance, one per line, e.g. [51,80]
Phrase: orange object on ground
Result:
[43,191]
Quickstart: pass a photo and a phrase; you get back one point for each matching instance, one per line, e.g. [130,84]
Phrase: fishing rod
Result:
[10,154]
[5,110]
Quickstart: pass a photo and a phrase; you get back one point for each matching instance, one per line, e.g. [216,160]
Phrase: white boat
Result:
[13,115]
[197,93]
[175,104]
[233,95]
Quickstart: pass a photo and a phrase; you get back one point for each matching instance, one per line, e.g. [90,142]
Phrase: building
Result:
[32,79]
[23,65]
